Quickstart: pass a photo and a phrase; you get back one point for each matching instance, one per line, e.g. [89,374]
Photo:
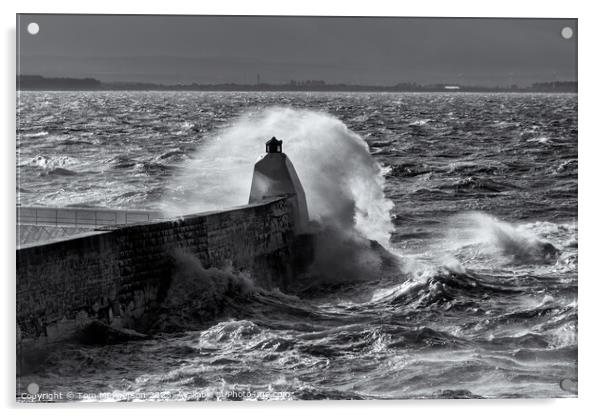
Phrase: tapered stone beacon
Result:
[275,176]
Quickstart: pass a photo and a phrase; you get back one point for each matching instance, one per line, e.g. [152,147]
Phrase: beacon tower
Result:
[275,176]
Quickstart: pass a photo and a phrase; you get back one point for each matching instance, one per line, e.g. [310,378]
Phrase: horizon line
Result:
[302,84]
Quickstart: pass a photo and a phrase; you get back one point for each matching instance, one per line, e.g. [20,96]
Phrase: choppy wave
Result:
[39,134]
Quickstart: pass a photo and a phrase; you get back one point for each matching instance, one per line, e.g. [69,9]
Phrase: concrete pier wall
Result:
[120,274]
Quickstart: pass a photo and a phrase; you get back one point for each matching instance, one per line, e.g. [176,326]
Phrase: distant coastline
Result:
[40,83]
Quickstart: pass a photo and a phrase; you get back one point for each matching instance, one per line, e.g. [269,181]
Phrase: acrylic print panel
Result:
[295,208]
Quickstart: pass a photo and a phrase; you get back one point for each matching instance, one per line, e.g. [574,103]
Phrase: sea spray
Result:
[496,238]
[343,183]
[197,294]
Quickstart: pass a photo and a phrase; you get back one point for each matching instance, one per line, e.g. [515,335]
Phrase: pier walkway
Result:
[47,224]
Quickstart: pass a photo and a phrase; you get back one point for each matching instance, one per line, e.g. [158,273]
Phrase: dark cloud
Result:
[211,49]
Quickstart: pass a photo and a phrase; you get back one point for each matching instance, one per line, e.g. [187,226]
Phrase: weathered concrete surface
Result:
[81,216]
[42,225]
[38,234]
[120,274]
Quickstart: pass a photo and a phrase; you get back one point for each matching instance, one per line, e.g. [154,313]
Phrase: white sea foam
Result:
[343,183]
[492,236]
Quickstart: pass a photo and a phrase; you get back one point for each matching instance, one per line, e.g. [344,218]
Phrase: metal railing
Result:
[82,216]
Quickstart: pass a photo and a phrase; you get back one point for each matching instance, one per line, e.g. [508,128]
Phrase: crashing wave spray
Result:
[342,182]
[495,237]
[197,294]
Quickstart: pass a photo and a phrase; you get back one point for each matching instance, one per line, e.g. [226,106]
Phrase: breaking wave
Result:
[197,294]
[342,182]
[494,237]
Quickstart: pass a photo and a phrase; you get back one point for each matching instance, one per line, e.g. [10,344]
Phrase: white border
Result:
[590,135]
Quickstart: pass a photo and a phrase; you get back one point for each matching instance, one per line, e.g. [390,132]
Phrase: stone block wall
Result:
[121,273]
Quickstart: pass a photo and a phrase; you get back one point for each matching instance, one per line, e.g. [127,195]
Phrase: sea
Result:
[475,195]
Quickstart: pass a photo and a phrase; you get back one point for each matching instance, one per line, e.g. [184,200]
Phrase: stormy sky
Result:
[369,51]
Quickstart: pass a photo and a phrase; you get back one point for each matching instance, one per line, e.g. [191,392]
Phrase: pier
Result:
[80,266]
